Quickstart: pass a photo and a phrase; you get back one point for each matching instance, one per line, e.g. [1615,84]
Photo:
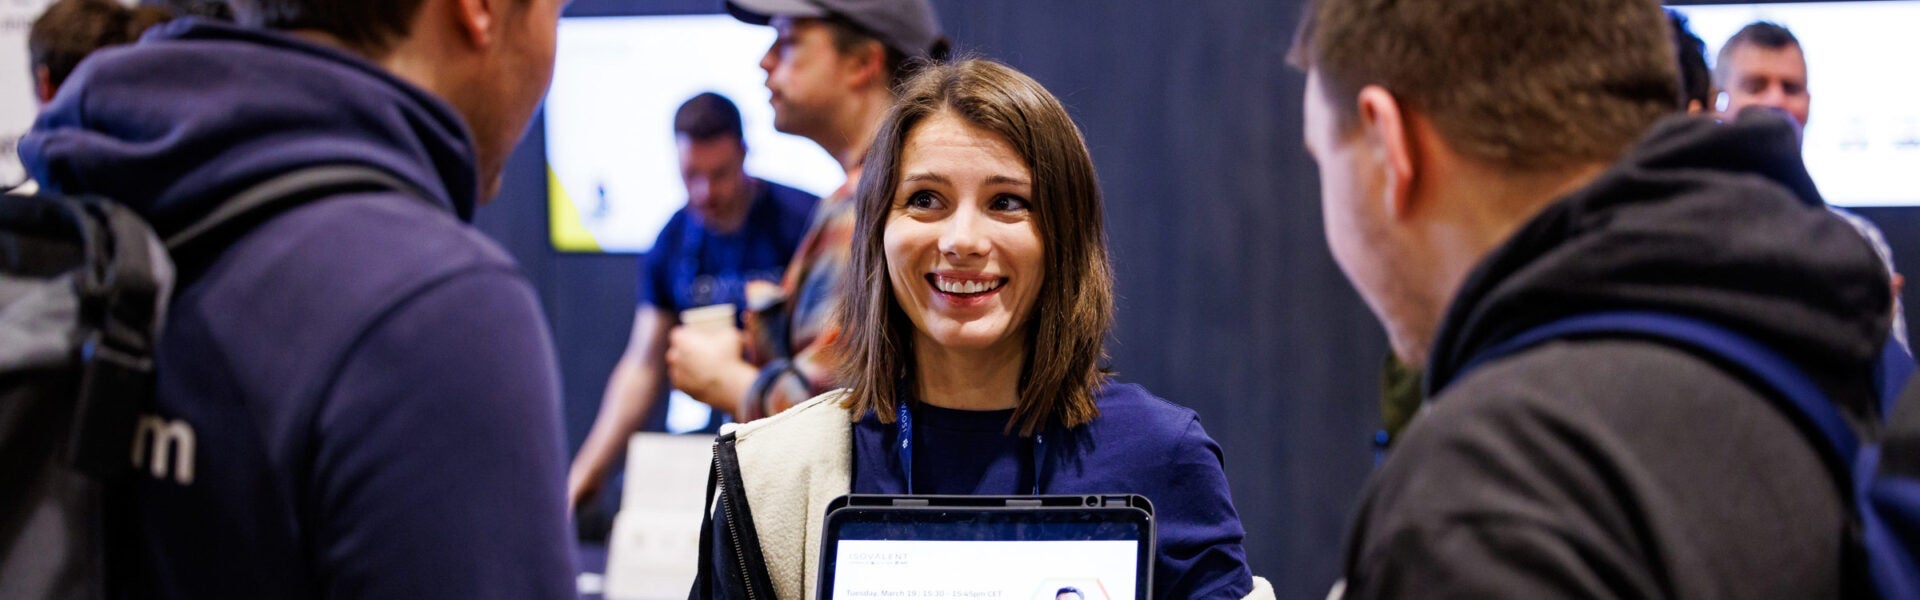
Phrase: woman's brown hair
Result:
[1074,306]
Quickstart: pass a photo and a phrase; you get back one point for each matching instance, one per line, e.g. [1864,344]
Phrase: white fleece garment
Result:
[794,464]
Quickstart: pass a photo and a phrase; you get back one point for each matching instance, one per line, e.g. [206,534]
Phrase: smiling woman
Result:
[1002,275]
[978,300]
[964,260]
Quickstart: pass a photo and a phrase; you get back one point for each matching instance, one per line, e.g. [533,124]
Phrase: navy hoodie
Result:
[358,397]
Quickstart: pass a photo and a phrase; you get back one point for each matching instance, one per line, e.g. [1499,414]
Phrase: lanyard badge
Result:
[903,448]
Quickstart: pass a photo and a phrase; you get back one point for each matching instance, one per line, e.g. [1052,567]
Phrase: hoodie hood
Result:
[198,110]
[1714,221]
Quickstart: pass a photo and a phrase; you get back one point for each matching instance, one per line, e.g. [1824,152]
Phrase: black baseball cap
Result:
[907,26]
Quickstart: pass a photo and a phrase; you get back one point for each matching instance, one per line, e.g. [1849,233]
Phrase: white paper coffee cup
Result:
[710,315]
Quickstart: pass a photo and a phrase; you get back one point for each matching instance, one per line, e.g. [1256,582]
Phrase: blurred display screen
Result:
[613,170]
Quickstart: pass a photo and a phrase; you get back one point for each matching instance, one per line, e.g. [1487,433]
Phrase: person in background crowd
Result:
[831,71]
[975,320]
[1596,467]
[70,30]
[1763,65]
[354,396]
[66,32]
[735,229]
[1696,82]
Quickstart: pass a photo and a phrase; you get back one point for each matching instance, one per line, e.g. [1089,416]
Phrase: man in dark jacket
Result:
[1488,166]
[357,397]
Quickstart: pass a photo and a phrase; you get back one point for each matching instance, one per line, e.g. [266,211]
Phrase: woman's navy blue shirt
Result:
[1140,444]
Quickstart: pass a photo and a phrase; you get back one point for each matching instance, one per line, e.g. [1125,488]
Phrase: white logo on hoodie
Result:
[160,439]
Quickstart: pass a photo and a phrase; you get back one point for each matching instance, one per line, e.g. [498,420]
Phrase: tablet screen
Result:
[968,553]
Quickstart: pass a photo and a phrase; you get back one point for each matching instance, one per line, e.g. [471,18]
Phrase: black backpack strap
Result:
[128,290]
[131,277]
[205,238]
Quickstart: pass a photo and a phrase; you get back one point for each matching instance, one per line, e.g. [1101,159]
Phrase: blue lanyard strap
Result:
[903,451]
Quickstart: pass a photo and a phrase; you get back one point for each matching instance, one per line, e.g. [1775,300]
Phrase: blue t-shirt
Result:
[690,267]
[1139,444]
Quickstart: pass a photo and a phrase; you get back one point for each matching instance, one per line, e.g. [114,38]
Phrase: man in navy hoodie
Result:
[357,398]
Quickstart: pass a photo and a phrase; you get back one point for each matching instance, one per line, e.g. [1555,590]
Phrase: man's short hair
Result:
[69,30]
[369,26]
[1759,34]
[1523,84]
[1696,83]
[707,117]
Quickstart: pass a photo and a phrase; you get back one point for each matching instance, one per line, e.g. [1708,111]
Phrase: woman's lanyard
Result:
[903,418]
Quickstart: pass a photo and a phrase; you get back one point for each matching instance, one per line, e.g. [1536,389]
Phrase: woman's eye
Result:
[919,200]
[1009,203]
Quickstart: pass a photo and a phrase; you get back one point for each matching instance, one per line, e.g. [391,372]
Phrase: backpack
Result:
[84,287]
[1883,497]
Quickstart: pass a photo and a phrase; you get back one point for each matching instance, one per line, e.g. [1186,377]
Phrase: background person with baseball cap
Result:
[832,72]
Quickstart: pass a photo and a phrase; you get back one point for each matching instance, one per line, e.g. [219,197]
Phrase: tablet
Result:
[988,547]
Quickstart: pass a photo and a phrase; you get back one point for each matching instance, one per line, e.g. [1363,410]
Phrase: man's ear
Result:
[866,64]
[475,19]
[43,84]
[1388,135]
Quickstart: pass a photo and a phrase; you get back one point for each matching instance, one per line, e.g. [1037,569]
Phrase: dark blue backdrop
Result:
[1228,300]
